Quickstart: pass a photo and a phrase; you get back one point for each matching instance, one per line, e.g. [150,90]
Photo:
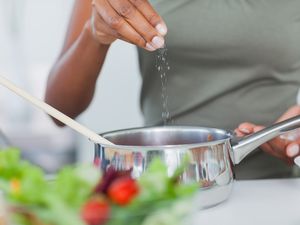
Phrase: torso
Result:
[231,61]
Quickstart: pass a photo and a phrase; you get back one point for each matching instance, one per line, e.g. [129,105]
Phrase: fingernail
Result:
[161,28]
[245,130]
[150,47]
[158,42]
[293,150]
[297,161]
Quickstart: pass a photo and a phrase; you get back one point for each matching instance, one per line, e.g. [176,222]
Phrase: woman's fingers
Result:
[238,133]
[293,150]
[102,32]
[105,34]
[246,128]
[274,147]
[138,22]
[133,21]
[147,47]
[150,14]
[249,128]
[267,147]
[118,23]
[279,147]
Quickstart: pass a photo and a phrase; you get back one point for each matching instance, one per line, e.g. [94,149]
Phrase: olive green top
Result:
[230,61]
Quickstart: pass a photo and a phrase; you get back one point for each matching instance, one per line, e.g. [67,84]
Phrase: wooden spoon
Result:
[55,113]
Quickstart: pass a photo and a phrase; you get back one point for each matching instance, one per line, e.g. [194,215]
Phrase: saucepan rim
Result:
[227,133]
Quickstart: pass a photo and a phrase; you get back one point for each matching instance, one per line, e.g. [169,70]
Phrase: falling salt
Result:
[163,67]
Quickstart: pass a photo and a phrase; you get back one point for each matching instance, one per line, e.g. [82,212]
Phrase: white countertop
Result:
[256,202]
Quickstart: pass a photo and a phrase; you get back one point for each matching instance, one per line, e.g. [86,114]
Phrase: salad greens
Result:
[54,202]
[160,200]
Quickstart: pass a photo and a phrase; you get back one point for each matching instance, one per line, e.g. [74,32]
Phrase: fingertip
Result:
[149,47]
[292,150]
[158,42]
[238,133]
[246,128]
[162,29]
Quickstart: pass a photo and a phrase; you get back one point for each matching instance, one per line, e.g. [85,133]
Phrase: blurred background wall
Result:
[31,36]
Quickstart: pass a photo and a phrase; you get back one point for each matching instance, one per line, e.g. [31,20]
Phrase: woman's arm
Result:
[72,80]
[93,27]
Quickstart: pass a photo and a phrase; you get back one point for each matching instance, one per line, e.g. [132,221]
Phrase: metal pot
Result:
[213,152]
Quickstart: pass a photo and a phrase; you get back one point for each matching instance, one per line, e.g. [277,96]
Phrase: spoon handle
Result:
[55,113]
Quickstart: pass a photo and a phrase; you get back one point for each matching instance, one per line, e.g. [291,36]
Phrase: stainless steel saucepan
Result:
[213,152]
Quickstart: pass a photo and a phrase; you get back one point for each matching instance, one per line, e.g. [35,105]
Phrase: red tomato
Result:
[95,212]
[123,190]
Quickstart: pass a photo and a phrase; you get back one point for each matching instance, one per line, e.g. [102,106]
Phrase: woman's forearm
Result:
[72,80]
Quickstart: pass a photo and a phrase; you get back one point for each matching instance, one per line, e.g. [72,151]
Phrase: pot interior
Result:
[168,135]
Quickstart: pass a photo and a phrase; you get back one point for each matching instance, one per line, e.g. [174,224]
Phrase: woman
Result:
[231,61]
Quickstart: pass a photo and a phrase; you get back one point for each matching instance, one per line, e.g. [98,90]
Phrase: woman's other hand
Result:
[134,21]
[281,147]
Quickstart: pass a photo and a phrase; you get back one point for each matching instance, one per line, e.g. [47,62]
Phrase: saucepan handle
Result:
[242,147]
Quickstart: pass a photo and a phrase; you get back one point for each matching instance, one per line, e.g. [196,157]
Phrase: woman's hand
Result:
[134,21]
[281,147]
